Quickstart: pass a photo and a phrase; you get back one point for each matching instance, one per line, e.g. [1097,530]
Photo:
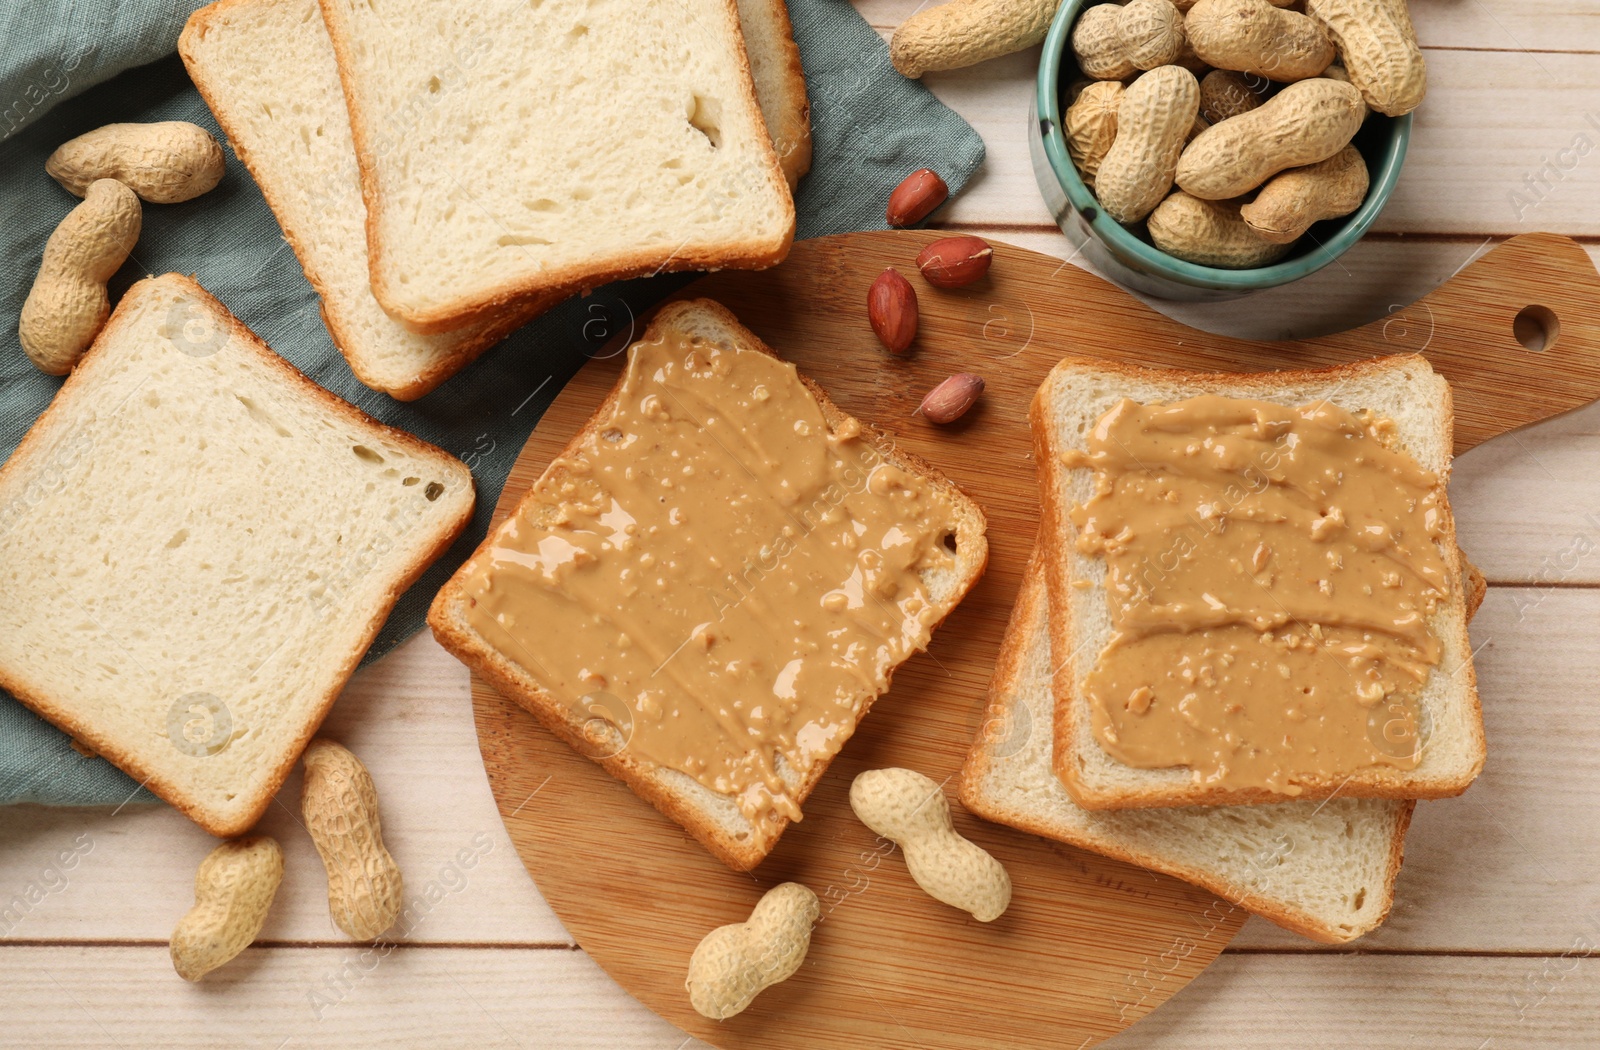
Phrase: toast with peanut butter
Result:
[711,584]
[1325,870]
[1255,585]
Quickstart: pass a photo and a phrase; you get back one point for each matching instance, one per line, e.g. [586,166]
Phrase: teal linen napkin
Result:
[870,127]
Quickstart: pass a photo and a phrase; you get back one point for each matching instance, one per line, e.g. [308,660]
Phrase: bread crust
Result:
[1071,712]
[791,137]
[559,283]
[447,617]
[1477,587]
[1033,603]
[60,412]
[473,339]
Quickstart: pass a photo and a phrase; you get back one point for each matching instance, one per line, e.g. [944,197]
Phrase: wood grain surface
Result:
[1089,945]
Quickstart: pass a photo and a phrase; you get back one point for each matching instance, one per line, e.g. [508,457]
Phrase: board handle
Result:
[1513,332]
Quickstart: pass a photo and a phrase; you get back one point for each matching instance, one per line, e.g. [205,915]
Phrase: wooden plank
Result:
[1381,1002]
[120,997]
[409,719]
[123,997]
[1530,504]
[1484,24]
[1477,163]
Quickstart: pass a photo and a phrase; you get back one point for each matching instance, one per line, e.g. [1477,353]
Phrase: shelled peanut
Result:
[1211,233]
[1225,93]
[1153,124]
[1252,36]
[1091,126]
[68,303]
[1306,122]
[1379,48]
[232,891]
[1238,138]
[1287,205]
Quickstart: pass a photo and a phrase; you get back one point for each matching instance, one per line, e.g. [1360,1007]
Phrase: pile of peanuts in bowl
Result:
[1225,126]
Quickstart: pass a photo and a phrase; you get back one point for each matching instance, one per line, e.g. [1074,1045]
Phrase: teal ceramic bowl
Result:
[1125,256]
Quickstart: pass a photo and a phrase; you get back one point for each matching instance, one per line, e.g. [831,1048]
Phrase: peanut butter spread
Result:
[1271,574]
[716,574]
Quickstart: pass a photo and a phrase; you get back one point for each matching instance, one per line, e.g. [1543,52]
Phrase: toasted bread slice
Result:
[1072,398]
[780,83]
[510,152]
[197,546]
[266,69]
[1322,869]
[714,819]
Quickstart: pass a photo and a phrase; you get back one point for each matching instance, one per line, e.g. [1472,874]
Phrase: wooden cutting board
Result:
[1089,945]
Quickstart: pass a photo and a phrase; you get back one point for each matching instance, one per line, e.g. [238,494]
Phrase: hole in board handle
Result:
[1537,328]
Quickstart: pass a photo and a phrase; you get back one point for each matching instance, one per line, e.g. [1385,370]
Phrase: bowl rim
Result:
[1151,259]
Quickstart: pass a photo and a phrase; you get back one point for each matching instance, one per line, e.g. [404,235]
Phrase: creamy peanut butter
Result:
[1271,574]
[716,574]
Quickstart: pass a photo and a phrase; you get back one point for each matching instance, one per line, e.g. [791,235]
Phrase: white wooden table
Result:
[1498,913]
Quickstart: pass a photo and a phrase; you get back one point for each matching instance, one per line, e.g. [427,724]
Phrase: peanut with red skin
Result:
[916,197]
[954,262]
[950,400]
[892,311]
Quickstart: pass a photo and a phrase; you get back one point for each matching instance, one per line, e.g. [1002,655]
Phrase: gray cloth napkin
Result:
[870,127]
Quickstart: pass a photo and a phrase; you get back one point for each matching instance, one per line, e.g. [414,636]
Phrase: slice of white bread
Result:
[266,69]
[1323,869]
[714,819]
[197,545]
[1076,393]
[780,83]
[514,150]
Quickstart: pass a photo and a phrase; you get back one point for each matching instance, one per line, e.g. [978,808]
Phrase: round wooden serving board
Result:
[1089,945]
